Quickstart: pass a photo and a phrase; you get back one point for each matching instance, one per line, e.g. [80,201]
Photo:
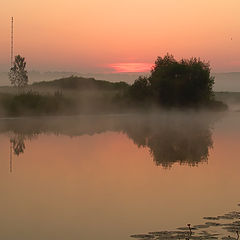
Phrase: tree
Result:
[184,82]
[172,83]
[18,74]
[140,90]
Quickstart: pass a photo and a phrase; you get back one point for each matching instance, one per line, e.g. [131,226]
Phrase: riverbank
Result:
[74,95]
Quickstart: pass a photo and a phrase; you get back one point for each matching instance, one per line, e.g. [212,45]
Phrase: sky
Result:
[107,36]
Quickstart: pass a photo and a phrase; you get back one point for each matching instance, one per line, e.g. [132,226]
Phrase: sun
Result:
[130,67]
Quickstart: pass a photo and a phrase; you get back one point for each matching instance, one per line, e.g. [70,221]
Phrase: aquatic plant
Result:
[187,233]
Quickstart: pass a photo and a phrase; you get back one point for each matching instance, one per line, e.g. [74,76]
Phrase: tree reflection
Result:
[170,137]
[17,143]
[186,140]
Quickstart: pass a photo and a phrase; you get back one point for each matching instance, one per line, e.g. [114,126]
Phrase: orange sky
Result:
[97,35]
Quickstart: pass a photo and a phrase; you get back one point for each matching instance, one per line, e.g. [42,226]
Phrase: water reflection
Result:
[171,138]
[17,143]
[183,140]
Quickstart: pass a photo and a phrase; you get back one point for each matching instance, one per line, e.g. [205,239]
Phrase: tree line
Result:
[171,83]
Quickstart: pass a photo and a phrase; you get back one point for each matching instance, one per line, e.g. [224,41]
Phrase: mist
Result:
[229,81]
[183,137]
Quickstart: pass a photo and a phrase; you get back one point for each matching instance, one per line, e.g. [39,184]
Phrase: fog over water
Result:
[171,137]
[112,176]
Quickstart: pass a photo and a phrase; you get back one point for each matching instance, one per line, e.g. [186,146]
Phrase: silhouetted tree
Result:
[176,83]
[184,82]
[18,74]
[141,89]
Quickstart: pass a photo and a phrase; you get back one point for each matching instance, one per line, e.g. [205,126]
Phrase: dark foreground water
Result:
[109,177]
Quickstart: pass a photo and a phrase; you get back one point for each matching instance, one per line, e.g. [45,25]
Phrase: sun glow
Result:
[131,67]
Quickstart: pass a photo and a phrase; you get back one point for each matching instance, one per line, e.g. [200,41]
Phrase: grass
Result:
[32,103]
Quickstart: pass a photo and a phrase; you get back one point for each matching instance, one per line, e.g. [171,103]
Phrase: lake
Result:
[112,176]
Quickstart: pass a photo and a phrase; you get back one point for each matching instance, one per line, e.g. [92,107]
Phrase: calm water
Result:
[108,177]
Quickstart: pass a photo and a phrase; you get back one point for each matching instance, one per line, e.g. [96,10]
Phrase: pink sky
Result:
[120,35]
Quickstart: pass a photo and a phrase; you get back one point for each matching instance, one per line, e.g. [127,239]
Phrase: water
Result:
[109,177]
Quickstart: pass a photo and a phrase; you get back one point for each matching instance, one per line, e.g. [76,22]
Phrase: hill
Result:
[229,81]
[80,83]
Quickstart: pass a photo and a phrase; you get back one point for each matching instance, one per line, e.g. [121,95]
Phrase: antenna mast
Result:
[12,42]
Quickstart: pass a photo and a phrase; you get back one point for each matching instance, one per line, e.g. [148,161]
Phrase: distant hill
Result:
[80,83]
[35,76]
[229,81]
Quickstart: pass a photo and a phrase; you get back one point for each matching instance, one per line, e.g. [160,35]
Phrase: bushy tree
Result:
[176,83]
[18,74]
[184,82]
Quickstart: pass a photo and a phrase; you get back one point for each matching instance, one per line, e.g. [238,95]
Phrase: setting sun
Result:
[131,67]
